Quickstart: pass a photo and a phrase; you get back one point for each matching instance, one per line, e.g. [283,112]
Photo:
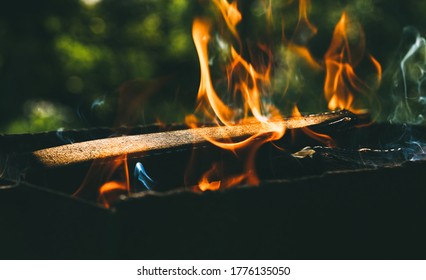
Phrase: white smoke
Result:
[408,91]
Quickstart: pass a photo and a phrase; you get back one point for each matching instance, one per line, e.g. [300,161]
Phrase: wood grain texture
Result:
[136,144]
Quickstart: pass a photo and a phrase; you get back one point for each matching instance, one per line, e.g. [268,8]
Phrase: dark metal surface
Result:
[37,223]
[347,215]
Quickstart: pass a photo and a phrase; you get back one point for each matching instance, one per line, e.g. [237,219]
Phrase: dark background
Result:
[72,64]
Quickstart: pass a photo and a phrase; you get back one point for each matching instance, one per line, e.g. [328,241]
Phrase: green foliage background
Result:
[74,64]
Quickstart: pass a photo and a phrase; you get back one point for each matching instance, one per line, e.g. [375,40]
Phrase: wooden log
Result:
[136,144]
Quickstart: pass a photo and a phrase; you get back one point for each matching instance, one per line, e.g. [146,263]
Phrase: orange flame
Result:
[245,80]
[320,137]
[200,33]
[378,67]
[205,185]
[303,32]
[245,100]
[247,83]
[210,182]
[207,182]
[342,84]
[230,13]
[110,187]
[100,175]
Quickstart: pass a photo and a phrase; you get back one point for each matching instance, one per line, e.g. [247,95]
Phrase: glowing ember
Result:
[205,185]
[209,180]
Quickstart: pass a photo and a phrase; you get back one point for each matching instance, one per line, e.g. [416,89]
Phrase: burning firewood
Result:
[147,143]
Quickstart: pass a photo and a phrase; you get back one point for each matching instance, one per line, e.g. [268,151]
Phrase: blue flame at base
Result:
[141,175]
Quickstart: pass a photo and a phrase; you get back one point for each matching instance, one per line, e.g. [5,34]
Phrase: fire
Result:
[248,96]
[230,13]
[247,82]
[320,137]
[200,33]
[205,185]
[111,186]
[250,82]
[207,182]
[108,188]
[342,85]
[241,75]
[109,177]
[210,181]
[303,32]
